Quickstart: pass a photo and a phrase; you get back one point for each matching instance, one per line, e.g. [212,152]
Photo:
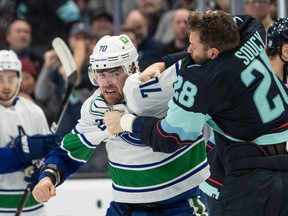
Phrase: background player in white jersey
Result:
[144,182]
[22,139]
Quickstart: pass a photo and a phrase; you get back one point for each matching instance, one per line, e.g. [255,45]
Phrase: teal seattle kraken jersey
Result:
[237,94]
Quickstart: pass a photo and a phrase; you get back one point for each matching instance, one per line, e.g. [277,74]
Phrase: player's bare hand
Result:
[152,71]
[112,122]
[147,75]
[44,190]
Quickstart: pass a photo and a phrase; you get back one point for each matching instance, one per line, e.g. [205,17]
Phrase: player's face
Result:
[9,82]
[198,51]
[111,83]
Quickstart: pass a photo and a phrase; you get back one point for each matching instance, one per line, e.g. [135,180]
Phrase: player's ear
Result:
[285,51]
[214,52]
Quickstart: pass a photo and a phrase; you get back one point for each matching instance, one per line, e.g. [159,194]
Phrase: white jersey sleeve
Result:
[150,98]
[91,124]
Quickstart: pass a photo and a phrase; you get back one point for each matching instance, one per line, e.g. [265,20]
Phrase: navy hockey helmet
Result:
[277,33]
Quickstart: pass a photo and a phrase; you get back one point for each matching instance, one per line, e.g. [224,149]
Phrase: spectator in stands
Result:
[149,49]
[180,30]
[79,42]
[219,5]
[29,76]
[273,10]
[175,4]
[84,9]
[260,9]
[53,78]
[19,39]
[50,79]
[6,17]
[130,33]
[48,19]
[101,23]
[164,34]
[152,11]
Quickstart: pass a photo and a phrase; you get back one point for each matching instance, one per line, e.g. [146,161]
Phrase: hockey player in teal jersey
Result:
[24,139]
[277,51]
[144,182]
[233,88]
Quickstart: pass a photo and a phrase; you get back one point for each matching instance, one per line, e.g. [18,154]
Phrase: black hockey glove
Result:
[35,147]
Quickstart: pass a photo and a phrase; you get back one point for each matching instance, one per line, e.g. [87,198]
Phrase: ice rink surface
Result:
[81,197]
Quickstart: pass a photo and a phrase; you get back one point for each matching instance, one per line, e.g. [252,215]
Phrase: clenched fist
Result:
[152,71]
[44,190]
[117,122]
[112,121]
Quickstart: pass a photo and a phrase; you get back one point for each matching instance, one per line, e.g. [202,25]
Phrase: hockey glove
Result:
[35,147]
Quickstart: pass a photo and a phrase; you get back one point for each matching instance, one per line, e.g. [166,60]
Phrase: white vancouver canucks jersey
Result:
[31,118]
[139,175]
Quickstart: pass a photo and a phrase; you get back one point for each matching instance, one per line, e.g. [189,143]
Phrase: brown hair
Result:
[271,52]
[216,29]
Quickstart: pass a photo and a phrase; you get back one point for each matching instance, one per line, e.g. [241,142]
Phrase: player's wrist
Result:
[53,175]
[126,122]
[53,172]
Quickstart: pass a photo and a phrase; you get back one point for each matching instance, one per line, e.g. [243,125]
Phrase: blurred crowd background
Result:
[156,27]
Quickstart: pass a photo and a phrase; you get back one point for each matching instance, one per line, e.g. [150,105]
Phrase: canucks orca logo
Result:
[129,138]
[98,106]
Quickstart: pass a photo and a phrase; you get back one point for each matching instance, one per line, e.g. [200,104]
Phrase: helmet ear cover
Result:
[111,52]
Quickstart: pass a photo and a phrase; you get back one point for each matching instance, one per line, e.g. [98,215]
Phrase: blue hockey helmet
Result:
[277,33]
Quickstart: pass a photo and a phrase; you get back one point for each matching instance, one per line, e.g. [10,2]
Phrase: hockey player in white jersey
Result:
[144,182]
[20,119]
